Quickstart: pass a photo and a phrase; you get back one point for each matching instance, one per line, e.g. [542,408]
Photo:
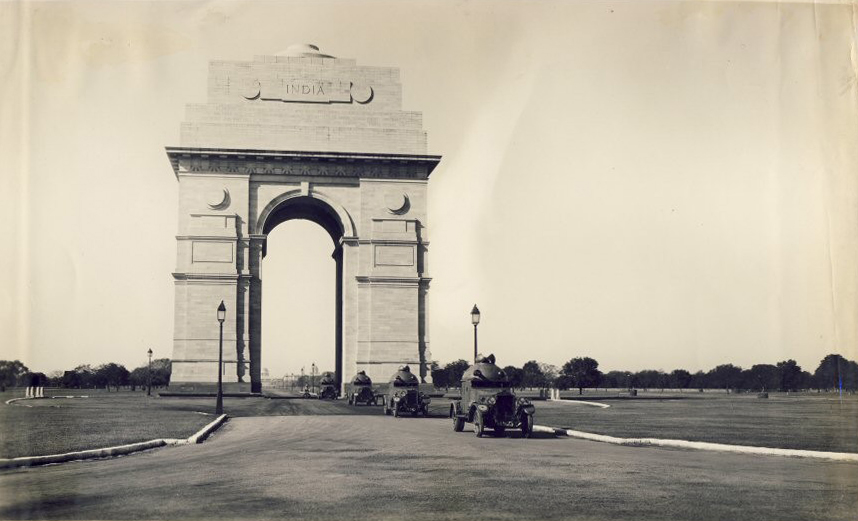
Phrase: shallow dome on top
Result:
[404,377]
[488,370]
[304,50]
[361,379]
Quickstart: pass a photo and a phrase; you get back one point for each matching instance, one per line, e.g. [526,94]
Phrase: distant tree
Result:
[615,379]
[162,369]
[532,375]
[514,375]
[762,377]
[440,377]
[834,370]
[806,380]
[111,374]
[139,377]
[550,373]
[564,382]
[726,376]
[455,370]
[790,377]
[70,380]
[10,372]
[86,376]
[647,379]
[680,379]
[55,378]
[583,372]
[699,380]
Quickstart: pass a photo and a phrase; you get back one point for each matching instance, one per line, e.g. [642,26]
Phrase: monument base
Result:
[205,388]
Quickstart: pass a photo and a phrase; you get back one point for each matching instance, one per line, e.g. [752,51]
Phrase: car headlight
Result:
[492,400]
[523,401]
[482,408]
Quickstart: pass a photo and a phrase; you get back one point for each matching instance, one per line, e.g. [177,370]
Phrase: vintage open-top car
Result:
[489,402]
[328,387]
[361,391]
[403,395]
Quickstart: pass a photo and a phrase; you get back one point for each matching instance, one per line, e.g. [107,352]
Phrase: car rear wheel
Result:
[479,426]
[386,411]
[526,425]
[458,424]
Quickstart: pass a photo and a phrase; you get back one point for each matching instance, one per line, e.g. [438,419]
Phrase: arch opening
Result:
[310,210]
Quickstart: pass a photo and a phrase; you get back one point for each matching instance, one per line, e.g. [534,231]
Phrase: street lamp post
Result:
[475,320]
[221,316]
[313,376]
[149,376]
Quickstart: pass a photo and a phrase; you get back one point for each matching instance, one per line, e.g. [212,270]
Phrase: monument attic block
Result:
[300,135]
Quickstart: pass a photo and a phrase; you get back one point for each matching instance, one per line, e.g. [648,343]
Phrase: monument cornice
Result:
[193,160]
[394,281]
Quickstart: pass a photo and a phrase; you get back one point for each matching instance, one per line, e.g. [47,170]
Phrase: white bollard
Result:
[29,393]
[40,392]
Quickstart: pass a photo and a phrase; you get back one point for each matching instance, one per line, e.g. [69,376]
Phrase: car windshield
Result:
[399,383]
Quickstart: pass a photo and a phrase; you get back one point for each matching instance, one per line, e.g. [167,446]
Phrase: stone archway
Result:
[295,205]
[301,136]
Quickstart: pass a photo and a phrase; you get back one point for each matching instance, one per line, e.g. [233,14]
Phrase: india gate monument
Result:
[300,135]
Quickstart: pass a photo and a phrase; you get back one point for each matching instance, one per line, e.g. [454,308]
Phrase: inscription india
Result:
[319,91]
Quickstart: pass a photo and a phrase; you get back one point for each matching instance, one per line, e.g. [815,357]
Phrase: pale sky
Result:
[652,184]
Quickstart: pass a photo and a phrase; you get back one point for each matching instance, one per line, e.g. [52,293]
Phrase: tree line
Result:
[833,372]
[13,373]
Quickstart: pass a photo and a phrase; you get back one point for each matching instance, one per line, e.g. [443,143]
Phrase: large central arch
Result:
[295,205]
[301,135]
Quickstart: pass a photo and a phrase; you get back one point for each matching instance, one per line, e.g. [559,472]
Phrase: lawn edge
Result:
[110,452]
[700,445]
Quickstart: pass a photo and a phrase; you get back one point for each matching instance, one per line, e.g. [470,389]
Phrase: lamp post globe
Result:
[149,374]
[475,320]
[221,316]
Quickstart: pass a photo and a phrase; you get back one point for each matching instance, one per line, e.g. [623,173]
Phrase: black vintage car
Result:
[403,395]
[489,402]
[361,391]
[328,387]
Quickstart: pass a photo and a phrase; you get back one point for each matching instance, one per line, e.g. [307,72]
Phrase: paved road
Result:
[375,467]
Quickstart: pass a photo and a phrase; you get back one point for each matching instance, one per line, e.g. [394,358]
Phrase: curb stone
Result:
[107,452]
[13,400]
[701,445]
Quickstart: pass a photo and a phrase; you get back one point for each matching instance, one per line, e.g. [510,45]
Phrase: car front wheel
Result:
[479,426]
[527,425]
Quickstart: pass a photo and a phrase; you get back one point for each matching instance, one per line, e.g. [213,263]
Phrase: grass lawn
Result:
[790,421]
[795,421]
[52,426]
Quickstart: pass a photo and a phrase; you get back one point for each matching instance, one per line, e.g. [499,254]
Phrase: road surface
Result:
[356,467]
